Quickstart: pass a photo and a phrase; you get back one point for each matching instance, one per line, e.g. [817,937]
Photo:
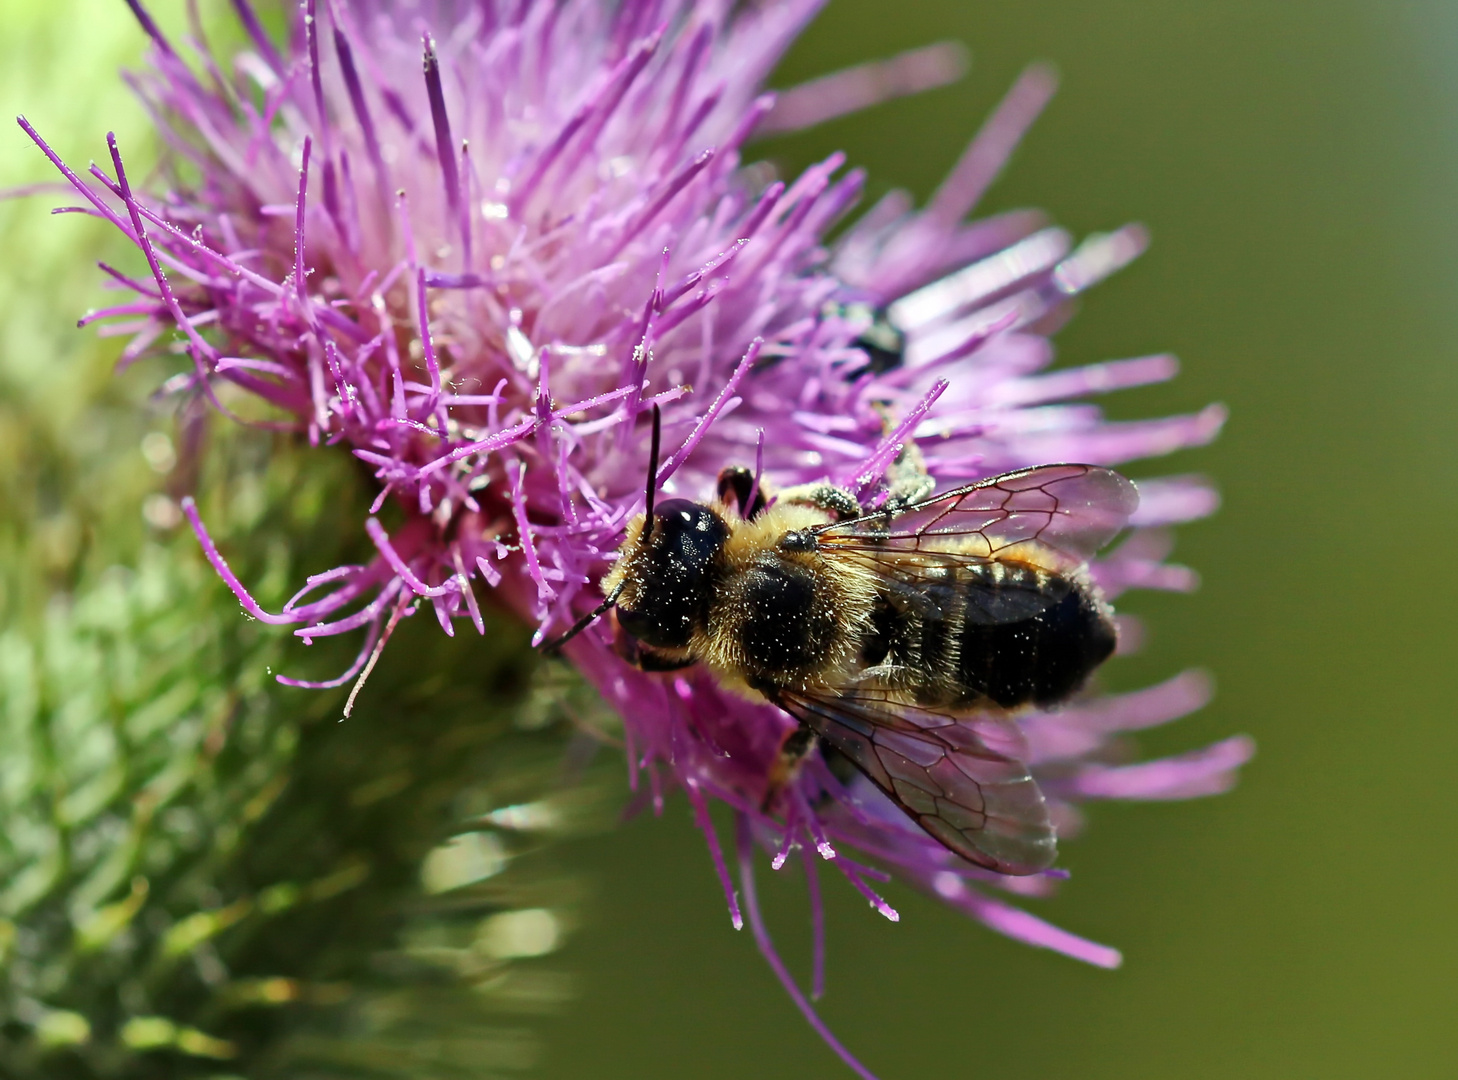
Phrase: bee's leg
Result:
[797,744]
[653,661]
[907,481]
[736,483]
[886,673]
[839,503]
[840,765]
[642,657]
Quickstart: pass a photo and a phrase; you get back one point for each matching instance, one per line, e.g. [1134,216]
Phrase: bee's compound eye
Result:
[675,574]
[685,515]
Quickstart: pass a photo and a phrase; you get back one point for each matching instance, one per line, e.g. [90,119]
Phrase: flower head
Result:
[476,244]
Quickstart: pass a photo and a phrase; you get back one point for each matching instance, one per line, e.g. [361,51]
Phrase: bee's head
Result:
[669,565]
[664,579]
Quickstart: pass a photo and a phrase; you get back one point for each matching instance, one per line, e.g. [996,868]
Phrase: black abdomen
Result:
[1039,660]
[995,632]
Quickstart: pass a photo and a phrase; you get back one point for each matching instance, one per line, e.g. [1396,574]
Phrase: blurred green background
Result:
[1297,164]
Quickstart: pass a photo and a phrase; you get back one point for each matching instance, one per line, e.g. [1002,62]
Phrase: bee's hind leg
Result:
[793,751]
[907,481]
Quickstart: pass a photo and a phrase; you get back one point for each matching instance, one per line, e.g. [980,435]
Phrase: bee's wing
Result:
[977,801]
[1071,510]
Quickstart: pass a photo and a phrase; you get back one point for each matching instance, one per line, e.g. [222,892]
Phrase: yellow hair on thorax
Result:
[748,538]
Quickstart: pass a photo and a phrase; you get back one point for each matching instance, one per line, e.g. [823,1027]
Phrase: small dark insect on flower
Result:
[479,245]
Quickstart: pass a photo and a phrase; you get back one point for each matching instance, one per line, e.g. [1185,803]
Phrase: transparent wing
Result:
[961,780]
[1068,510]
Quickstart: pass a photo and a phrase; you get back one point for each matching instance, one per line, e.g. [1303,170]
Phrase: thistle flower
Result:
[475,244]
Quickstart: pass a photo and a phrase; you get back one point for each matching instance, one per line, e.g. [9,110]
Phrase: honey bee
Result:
[903,636]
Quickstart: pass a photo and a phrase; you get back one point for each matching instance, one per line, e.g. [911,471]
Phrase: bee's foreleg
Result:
[737,483]
[642,657]
[793,751]
[654,661]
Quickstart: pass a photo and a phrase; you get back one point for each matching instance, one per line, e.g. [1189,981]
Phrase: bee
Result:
[883,343]
[904,637]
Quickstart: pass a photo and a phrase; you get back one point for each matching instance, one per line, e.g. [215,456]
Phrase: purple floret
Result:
[475,244]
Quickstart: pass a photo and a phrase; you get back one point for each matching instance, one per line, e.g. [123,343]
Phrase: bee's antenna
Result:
[652,473]
[552,648]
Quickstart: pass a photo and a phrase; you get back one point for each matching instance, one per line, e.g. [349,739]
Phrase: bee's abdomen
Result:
[1011,635]
[1040,660]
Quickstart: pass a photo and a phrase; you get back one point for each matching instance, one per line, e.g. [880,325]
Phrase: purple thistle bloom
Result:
[477,243]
